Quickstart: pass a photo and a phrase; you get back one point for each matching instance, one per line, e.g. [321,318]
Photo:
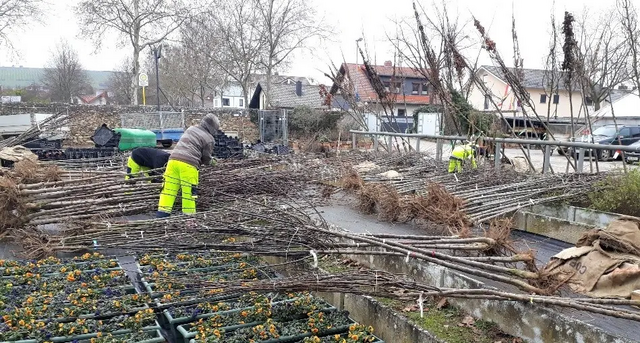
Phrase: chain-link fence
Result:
[154,121]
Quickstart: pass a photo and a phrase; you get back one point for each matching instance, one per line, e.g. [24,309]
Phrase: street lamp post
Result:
[157,54]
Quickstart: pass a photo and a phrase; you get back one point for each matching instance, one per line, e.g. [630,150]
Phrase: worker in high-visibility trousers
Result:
[461,155]
[144,159]
[195,148]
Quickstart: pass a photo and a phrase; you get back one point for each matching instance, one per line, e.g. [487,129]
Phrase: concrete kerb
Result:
[553,227]
[534,323]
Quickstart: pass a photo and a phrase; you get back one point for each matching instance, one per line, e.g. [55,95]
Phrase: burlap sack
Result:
[606,263]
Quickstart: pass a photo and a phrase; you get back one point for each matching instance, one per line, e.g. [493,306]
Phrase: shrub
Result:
[305,122]
[619,194]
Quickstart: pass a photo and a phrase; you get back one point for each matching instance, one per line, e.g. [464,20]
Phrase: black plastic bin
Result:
[104,137]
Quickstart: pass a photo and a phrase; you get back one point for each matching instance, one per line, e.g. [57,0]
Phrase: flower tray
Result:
[191,261]
[187,335]
[173,324]
[287,339]
[48,270]
[154,331]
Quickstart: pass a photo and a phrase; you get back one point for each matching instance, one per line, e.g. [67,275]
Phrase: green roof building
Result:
[19,77]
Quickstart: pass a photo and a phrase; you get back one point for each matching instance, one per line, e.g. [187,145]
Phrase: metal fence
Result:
[273,126]
[579,148]
[154,121]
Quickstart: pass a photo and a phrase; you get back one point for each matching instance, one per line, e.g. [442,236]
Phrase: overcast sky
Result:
[349,17]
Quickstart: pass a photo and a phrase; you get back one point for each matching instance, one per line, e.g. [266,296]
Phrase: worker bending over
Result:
[462,154]
[143,159]
[195,148]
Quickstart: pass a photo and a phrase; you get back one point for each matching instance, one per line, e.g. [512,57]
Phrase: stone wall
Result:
[86,119]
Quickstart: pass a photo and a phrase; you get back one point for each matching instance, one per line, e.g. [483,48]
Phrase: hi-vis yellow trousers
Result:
[134,168]
[178,175]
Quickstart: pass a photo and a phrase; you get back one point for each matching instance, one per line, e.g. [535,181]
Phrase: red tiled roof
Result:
[87,99]
[398,72]
[365,90]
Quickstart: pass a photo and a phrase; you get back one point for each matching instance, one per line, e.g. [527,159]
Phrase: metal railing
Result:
[154,120]
[580,146]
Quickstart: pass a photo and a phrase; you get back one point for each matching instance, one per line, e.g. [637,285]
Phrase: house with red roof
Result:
[407,88]
[100,98]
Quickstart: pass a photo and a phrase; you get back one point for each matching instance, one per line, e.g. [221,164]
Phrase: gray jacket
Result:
[196,144]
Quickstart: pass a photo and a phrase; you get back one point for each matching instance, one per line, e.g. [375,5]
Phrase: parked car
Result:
[608,135]
[633,157]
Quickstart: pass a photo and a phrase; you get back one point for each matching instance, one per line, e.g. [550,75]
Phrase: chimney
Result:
[299,88]
[387,63]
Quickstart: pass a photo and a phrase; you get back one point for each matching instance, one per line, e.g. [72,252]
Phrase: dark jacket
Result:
[150,157]
[196,144]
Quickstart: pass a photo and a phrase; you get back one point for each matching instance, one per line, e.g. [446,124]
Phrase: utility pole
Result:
[157,54]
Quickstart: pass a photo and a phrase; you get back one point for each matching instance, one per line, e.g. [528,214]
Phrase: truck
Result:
[168,126]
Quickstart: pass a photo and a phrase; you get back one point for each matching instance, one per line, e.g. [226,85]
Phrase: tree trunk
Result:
[267,92]
[134,77]
[202,96]
[245,93]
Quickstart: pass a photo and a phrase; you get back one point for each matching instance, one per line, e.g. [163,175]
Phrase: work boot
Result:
[160,214]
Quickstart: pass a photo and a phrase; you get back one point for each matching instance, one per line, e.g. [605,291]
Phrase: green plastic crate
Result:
[135,138]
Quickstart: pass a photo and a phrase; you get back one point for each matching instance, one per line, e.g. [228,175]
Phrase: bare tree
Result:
[200,54]
[601,57]
[16,14]
[235,41]
[447,36]
[628,16]
[64,76]
[551,77]
[139,24]
[434,48]
[287,26]
[119,83]
[179,83]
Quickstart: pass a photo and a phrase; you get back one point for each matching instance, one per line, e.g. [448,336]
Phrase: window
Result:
[402,112]
[588,101]
[226,102]
[387,85]
[625,132]
[543,98]
[397,87]
[240,102]
[216,102]
[425,89]
[487,101]
[556,98]
[415,90]
[635,131]
[607,131]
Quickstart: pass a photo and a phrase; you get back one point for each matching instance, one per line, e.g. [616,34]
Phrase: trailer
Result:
[168,126]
